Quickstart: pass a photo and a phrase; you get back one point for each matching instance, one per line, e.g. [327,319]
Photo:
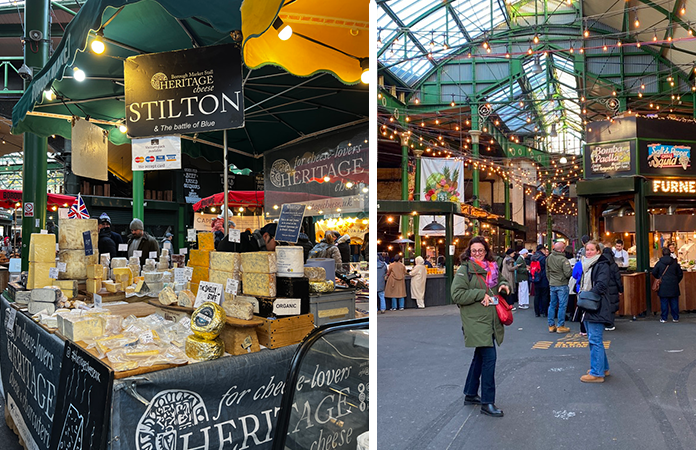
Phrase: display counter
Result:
[633,300]
[435,292]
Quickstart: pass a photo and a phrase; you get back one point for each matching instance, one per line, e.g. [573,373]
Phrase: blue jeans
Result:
[382,302]
[401,303]
[669,303]
[559,299]
[598,356]
[482,372]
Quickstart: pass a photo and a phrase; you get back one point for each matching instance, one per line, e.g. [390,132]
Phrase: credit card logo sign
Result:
[160,158]
[171,157]
[139,159]
[149,158]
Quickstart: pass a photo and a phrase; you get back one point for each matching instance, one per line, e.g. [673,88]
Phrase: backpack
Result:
[321,250]
[535,271]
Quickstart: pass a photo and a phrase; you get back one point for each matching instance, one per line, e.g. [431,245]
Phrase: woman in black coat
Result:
[615,283]
[596,278]
[669,271]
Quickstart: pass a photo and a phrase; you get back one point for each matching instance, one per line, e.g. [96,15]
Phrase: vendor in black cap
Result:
[262,240]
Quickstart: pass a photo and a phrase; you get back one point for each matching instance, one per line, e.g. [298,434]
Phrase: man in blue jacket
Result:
[381,282]
[541,283]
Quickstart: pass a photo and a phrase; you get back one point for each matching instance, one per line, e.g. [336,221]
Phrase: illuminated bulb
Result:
[284,31]
[327,178]
[275,206]
[122,128]
[536,39]
[212,209]
[98,46]
[78,74]
[49,95]
[349,185]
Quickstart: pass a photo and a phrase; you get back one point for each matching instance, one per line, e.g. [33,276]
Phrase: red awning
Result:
[234,198]
[10,197]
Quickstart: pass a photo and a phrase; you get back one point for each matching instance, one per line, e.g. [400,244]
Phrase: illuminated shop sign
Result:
[669,156]
[674,186]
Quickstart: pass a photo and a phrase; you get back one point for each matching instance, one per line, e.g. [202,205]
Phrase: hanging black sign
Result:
[184,91]
[81,421]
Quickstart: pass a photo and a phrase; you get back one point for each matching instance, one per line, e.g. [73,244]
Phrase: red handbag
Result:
[504,311]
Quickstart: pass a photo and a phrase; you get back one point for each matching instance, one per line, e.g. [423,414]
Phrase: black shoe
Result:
[472,400]
[489,409]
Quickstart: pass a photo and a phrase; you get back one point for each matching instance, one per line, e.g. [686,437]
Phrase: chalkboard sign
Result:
[289,223]
[87,237]
[82,412]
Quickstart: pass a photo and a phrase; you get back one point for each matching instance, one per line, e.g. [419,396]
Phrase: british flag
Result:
[78,210]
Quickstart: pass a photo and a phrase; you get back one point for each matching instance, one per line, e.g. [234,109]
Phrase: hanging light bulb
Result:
[536,39]
[122,128]
[365,66]
[78,74]
[654,36]
[636,22]
[682,10]
[284,31]
[97,46]
[49,95]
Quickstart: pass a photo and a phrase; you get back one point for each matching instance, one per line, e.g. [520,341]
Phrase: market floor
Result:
[648,401]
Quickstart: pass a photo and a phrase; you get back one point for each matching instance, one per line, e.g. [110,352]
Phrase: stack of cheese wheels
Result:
[224,266]
[42,256]
[206,323]
[72,247]
[259,274]
[200,259]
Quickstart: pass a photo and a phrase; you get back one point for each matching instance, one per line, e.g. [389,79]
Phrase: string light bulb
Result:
[284,30]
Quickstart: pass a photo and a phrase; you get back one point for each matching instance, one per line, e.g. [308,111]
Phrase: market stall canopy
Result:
[329,36]
[10,197]
[234,198]
[293,108]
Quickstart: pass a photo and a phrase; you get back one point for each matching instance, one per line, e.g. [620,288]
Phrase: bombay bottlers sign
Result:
[184,91]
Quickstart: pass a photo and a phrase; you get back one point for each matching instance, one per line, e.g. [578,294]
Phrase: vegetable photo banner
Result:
[442,180]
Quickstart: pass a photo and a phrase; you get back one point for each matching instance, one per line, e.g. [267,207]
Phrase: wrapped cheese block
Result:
[238,309]
[167,296]
[95,271]
[118,262]
[70,234]
[200,258]
[123,275]
[39,274]
[226,261]
[178,261]
[203,349]
[261,284]
[94,285]
[259,262]
[207,321]
[42,248]
[76,264]
[82,328]
[320,287]
[206,241]
[68,287]
[186,298]
[315,273]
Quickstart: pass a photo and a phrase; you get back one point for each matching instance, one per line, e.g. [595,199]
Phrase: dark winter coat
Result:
[478,322]
[539,256]
[344,248]
[615,282]
[381,274]
[147,244]
[601,282]
[106,243]
[669,287]
[303,240]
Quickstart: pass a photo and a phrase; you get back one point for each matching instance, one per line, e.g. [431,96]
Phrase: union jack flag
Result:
[78,210]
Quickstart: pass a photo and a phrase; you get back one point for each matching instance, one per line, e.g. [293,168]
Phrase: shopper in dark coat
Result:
[106,243]
[596,278]
[343,244]
[669,286]
[303,240]
[615,283]
[542,291]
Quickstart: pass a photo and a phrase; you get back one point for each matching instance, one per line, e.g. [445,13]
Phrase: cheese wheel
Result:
[204,349]
[186,298]
[239,309]
[167,296]
[207,321]
[315,273]
[42,248]
[317,287]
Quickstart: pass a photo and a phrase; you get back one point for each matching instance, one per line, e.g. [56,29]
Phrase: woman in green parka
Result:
[474,288]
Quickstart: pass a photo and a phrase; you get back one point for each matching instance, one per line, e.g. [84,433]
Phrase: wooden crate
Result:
[278,333]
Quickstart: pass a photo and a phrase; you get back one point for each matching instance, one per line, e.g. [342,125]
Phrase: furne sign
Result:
[184,91]
[674,186]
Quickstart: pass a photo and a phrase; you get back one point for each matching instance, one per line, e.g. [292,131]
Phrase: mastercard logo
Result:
[139,159]
[150,158]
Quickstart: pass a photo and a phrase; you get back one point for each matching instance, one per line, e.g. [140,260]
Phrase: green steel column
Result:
[583,217]
[449,260]
[549,219]
[508,214]
[475,135]
[416,197]
[139,195]
[643,244]
[404,188]
[34,175]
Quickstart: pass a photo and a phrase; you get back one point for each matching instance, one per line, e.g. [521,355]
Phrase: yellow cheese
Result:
[139,285]
[207,320]
[204,349]
[199,274]
[186,298]
[123,275]
[82,328]
[110,286]
[261,284]
[206,241]
[42,248]
[226,261]
[95,271]
[259,262]
[76,263]
[318,287]
[70,234]
[38,274]
[200,258]
[167,296]
[69,287]
[105,272]
[239,309]
[220,277]
[194,288]
[130,290]
[94,285]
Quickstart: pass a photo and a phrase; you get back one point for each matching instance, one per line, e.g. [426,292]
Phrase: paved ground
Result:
[648,402]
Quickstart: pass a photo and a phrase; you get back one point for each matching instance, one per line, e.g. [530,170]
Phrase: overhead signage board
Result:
[663,158]
[184,91]
[290,223]
[610,159]
[159,153]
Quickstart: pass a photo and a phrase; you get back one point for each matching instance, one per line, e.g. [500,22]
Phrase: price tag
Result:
[286,306]
[235,236]
[15,265]
[137,253]
[62,267]
[37,223]
[122,247]
[232,286]
[53,272]
[189,273]
[44,232]
[153,255]
[97,301]
[246,344]
[57,247]
[147,337]
[451,250]
[180,275]
[191,235]
[11,317]
[208,292]
[183,251]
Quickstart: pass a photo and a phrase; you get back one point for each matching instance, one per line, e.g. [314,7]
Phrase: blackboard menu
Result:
[290,223]
[82,412]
